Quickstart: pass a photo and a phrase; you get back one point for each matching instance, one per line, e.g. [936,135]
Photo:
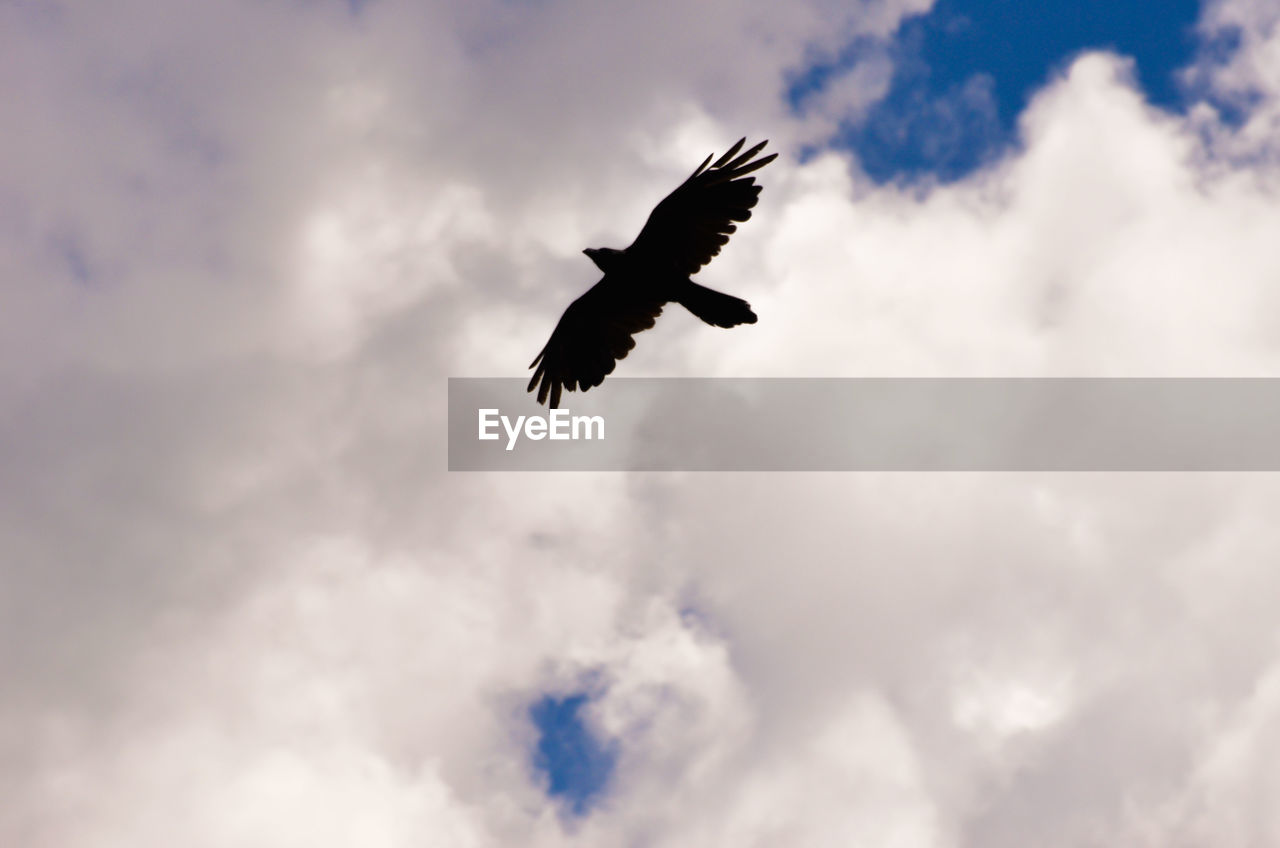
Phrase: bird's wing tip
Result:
[729,154]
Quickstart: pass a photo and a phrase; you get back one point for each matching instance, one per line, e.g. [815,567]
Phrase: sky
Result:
[965,71]
[242,603]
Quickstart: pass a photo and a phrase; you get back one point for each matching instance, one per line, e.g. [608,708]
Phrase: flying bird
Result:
[683,233]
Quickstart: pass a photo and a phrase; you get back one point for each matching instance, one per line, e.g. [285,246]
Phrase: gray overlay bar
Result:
[880,424]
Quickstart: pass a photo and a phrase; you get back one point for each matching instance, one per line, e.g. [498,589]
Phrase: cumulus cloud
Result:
[244,245]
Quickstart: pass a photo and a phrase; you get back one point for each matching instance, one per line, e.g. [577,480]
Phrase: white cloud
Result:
[242,603]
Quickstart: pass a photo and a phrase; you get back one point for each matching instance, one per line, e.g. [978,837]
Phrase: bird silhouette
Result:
[683,232]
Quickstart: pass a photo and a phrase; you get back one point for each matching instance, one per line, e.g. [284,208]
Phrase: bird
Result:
[682,234]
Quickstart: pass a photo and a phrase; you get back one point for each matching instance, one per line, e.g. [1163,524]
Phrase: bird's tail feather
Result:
[716,308]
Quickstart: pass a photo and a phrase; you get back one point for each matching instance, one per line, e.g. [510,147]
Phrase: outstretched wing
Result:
[593,334]
[692,223]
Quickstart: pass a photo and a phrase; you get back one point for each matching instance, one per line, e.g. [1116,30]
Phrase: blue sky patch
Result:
[70,252]
[967,69]
[576,764]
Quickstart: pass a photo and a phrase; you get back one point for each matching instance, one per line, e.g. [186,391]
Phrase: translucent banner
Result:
[887,424]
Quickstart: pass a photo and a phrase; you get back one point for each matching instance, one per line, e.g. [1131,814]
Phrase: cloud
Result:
[242,601]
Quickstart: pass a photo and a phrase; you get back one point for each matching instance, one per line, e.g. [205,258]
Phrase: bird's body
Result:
[682,234]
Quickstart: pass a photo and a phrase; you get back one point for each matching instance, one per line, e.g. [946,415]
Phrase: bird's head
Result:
[606,258]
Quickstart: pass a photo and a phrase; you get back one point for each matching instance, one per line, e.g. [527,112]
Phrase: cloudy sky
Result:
[243,245]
